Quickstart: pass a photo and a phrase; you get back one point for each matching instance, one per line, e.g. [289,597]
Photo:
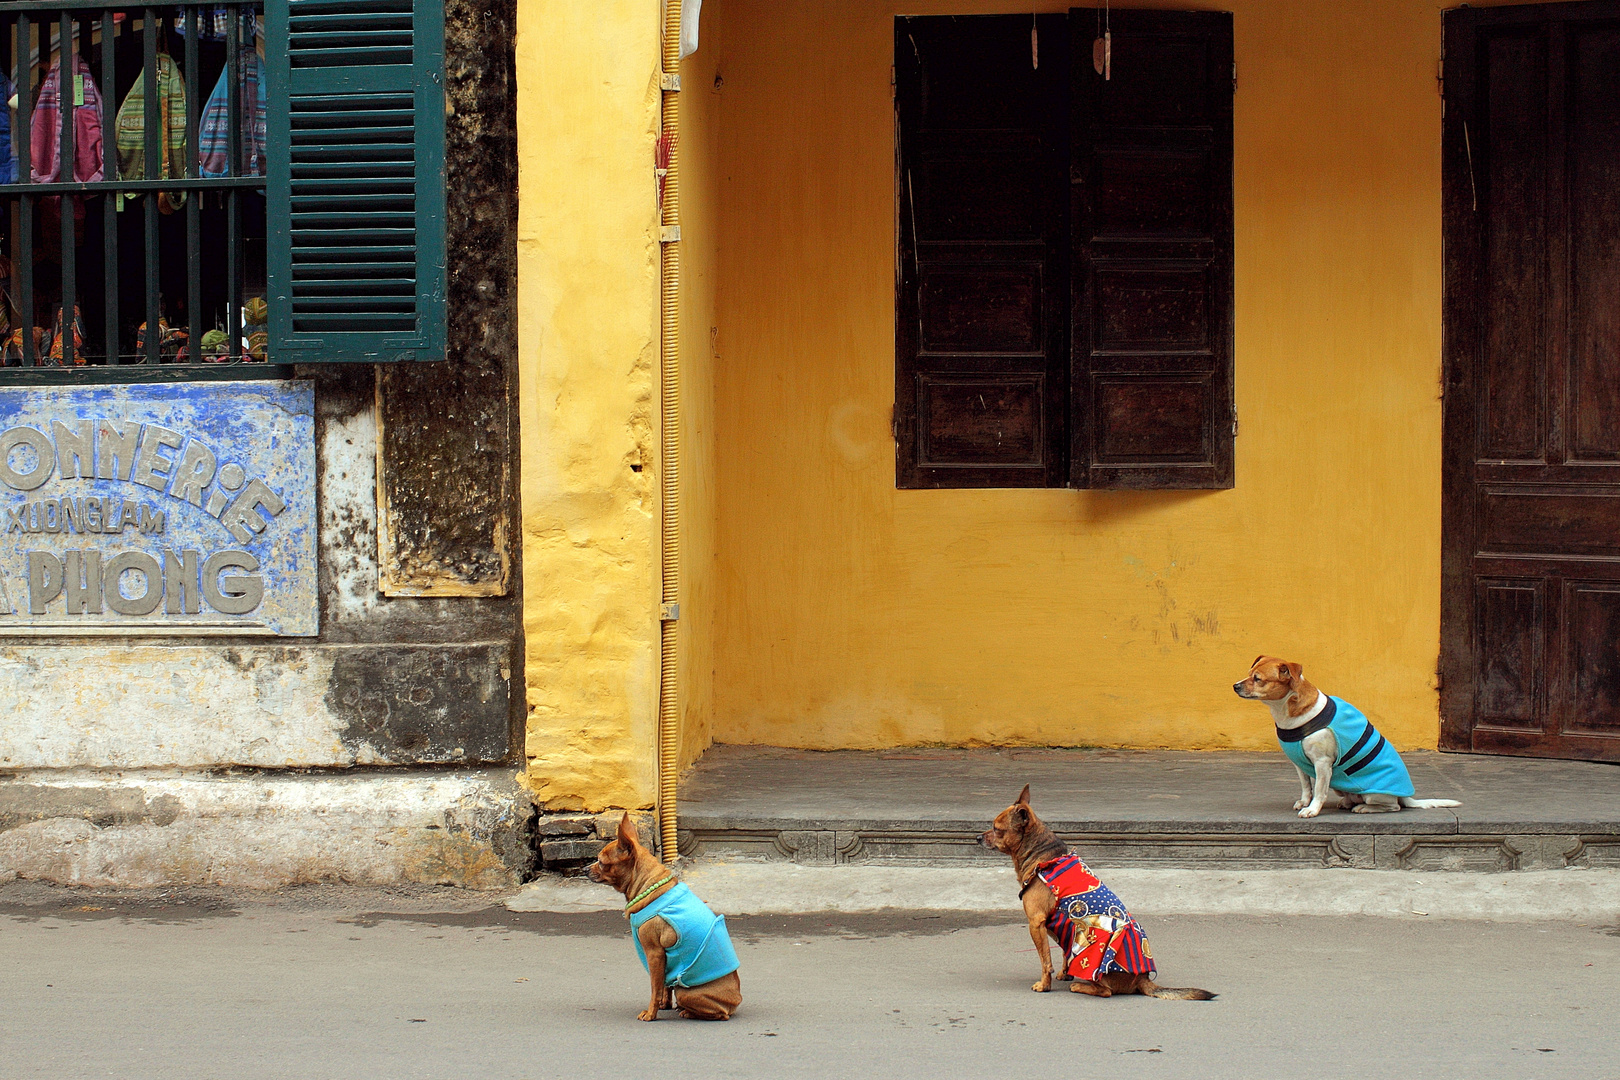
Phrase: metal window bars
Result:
[34,37]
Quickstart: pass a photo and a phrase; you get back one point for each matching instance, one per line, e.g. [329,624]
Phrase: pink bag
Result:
[46,144]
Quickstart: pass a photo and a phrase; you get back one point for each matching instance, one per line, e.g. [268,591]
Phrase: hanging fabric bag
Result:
[131,131]
[46,142]
[214,132]
[8,152]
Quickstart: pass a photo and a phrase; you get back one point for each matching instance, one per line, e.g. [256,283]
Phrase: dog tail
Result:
[1180,993]
[1427,804]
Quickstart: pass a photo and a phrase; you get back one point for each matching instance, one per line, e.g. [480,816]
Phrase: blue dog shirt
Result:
[1366,763]
[703,953]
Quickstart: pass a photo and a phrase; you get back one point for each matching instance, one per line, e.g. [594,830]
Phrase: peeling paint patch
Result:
[265,706]
[348,513]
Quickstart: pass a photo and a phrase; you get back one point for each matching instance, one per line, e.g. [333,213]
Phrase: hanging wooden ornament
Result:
[1102,50]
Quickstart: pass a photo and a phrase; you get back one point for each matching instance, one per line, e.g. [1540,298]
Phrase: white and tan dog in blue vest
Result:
[1333,746]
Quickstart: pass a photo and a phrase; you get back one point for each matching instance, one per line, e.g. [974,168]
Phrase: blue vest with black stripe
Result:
[1367,764]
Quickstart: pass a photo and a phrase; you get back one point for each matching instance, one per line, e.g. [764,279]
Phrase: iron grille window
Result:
[150,149]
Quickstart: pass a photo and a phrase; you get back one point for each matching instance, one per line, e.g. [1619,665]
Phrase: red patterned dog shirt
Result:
[1097,934]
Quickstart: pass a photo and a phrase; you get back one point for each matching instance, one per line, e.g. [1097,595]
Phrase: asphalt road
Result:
[423,983]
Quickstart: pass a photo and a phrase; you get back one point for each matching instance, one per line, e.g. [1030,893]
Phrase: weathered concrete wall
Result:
[588,353]
[419,679]
[409,681]
[353,607]
[472,829]
[151,706]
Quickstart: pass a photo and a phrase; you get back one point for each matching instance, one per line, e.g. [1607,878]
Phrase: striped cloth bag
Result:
[214,132]
[46,142]
[131,132]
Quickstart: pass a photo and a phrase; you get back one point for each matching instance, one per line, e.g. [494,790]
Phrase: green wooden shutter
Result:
[356,180]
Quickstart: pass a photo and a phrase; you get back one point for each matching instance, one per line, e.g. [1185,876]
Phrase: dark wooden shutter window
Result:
[1152,210]
[981,340]
[1064,301]
[357,168]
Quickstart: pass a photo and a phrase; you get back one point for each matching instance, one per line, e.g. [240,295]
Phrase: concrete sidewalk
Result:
[760,887]
[1123,808]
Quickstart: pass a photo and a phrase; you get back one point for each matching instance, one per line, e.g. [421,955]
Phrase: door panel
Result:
[1530,620]
[1512,653]
[1594,663]
[1513,150]
[1594,280]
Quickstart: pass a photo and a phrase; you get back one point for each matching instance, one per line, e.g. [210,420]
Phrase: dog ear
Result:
[1020,816]
[1293,673]
[1023,796]
[627,831]
[1256,660]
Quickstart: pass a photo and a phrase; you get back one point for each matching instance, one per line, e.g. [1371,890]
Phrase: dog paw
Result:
[1300,804]
[1310,811]
[1042,987]
[647,1014]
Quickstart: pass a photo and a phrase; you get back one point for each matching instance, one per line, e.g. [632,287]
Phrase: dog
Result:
[1103,948]
[1312,728]
[683,945]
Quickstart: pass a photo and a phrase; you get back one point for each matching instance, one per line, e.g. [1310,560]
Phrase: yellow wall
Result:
[699,180]
[587,322]
[850,614]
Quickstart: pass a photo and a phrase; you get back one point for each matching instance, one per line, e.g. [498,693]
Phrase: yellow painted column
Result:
[587,114]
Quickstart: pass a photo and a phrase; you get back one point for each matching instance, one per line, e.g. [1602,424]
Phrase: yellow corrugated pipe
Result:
[669,272]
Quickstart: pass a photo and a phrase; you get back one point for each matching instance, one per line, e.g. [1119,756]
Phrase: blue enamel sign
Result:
[158,509]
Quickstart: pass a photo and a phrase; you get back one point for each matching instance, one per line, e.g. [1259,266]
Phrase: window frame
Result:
[79,21]
[369,66]
[1126,396]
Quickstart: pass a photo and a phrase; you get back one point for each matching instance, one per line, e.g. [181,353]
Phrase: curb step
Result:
[1436,844]
[760,887]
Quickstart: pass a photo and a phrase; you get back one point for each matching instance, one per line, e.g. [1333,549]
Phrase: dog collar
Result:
[648,891]
[1023,886]
[1320,721]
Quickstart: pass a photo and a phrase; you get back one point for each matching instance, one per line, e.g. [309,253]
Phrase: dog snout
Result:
[987,839]
[1237,688]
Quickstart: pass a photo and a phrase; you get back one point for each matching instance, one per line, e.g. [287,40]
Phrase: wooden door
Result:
[1530,619]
